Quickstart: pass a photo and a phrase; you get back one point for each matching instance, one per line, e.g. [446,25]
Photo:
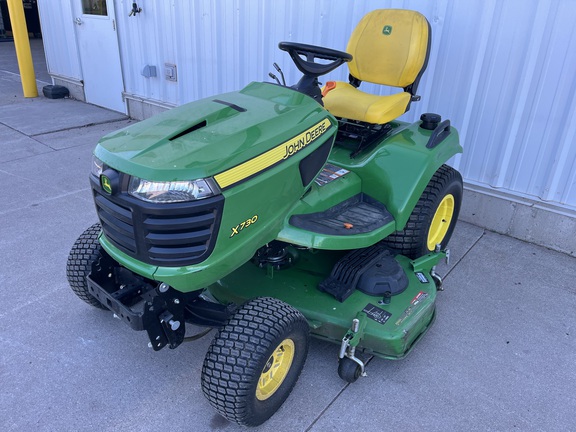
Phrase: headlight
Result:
[171,192]
[97,166]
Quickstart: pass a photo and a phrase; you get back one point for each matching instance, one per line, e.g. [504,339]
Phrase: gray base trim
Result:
[533,221]
[140,109]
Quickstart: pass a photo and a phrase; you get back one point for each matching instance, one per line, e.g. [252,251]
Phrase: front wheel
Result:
[433,219]
[255,360]
[85,252]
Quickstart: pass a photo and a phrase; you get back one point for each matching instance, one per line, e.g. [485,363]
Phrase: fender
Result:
[399,169]
[395,172]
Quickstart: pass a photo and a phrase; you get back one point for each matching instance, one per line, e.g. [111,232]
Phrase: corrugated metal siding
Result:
[518,123]
[59,38]
[502,71]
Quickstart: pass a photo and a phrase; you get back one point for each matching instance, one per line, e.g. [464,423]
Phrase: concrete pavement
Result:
[500,356]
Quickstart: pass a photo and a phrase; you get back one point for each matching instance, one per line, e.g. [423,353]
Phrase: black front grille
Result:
[170,235]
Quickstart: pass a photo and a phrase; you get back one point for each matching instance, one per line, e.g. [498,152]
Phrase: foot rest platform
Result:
[357,215]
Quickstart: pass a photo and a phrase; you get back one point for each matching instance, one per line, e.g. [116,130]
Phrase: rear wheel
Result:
[85,252]
[433,219]
[255,360]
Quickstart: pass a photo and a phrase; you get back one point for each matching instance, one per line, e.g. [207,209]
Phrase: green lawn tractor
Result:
[278,212]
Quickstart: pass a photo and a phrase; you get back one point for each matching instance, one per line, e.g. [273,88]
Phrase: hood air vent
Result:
[231,105]
[189,130]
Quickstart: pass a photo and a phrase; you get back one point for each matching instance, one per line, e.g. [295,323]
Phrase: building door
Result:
[99,53]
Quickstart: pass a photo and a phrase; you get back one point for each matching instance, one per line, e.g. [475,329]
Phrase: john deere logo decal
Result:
[387,30]
[273,156]
[106,185]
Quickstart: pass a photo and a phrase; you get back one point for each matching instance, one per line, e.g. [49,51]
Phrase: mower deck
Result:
[387,330]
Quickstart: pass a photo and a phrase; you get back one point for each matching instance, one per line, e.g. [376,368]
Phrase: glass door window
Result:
[94,7]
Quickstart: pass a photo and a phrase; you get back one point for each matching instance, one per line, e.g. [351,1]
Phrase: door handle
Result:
[78,21]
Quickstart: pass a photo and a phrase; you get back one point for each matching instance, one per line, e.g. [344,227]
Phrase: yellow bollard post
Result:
[22,44]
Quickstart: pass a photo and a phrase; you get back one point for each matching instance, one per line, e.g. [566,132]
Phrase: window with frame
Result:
[94,7]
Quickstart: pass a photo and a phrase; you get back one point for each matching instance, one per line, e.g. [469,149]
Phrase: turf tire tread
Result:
[84,253]
[234,357]
[411,240]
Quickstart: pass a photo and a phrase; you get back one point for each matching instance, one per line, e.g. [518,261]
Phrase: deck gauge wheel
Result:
[349,370]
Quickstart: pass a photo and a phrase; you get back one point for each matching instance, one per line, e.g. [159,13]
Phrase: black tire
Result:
[246,352]
[349,370]
[84,253]
[413,240]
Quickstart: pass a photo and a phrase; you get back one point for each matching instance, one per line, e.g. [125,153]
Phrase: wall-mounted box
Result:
[170,72]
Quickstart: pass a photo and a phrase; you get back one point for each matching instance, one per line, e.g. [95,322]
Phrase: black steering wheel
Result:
[309,67]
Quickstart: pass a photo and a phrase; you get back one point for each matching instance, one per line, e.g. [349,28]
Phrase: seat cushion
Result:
[348,102]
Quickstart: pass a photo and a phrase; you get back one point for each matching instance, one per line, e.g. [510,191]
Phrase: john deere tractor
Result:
[277,212]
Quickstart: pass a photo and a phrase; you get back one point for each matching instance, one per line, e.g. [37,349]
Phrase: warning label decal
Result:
[329,174]
[377,314]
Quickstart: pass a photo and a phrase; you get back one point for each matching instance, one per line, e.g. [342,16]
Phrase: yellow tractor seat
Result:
[347,101]
[389,47]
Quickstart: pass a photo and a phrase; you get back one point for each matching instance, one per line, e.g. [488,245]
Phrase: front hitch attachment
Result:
[145,304]
[140,302]
[350,367]
[164,320]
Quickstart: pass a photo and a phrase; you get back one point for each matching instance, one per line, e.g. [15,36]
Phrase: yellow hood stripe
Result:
[285,150]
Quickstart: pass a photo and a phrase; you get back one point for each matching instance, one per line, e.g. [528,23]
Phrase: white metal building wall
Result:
[513,94]
[502,70]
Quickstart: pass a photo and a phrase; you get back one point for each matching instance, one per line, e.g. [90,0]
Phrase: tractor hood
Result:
[207,137]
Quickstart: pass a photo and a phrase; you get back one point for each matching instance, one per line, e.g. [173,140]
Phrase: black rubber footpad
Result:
[372,270]
[357,215]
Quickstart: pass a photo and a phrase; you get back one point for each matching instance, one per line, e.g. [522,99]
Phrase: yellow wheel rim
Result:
[441,222]
[275,370]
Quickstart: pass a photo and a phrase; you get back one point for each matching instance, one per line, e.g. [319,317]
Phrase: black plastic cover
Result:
[312,164]
[384,276]
[373,270]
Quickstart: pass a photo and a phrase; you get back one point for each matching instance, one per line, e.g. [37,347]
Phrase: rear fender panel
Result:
[398,169]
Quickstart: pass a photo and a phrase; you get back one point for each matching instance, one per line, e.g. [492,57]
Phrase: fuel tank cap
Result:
[430,121]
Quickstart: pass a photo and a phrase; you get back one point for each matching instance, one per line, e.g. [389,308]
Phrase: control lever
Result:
[281,73]
[274,77]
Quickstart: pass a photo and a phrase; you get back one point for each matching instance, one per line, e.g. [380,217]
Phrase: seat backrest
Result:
[390,47]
